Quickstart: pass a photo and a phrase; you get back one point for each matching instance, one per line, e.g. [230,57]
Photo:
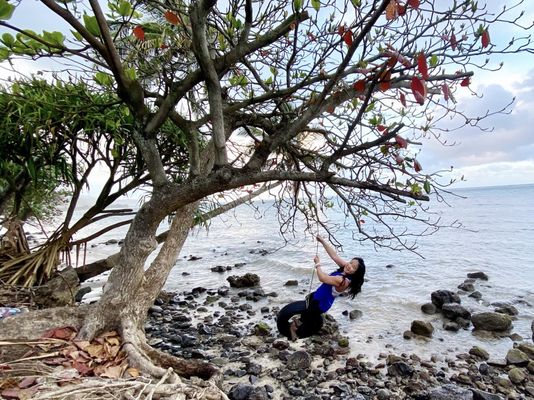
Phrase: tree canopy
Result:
[334,96]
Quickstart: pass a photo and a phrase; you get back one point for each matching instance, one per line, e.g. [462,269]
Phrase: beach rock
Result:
[517,357]
[467,287]
[478,275]
[532,329]
[507,309]
[242,391]
[400,368]
[491,321]
[299,360]
[355,314]
[481,395]
[476,295]
[451,326]
[58,291]
[450,392]
[440,297]
[292,282]
[82,292]
[479,352]
[247,280]
[220,268]
[429,308]
[454,311]
[422,328]
[528,349]
[517,375]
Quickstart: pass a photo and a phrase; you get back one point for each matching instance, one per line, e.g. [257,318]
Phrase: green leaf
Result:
[268,81]
[8,39]
[297,4]
[427,187]
[4,54]
[434,60]
[6,10]
[91,24]
[56,39]
[103,79]
[131,73]
[316,4]
[77,35]
[125,9]
[356,3]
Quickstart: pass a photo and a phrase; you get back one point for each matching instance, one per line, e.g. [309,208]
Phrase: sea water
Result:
[496,237]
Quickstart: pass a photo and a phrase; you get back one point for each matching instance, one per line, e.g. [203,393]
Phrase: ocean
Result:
[496,237]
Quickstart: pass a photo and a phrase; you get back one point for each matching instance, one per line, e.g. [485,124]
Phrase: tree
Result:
[327,95]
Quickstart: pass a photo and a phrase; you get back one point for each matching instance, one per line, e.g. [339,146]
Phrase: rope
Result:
[316,241]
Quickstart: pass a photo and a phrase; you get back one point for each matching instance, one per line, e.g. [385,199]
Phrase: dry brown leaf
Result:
[95,350]
[113,341]
[27,382]
[81,344]
[114,371]
[133,372]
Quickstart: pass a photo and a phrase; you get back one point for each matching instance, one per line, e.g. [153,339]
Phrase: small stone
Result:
[429,308]
[476,295]
[482,395]
[517,357]
[478,275]
[299,360]
[422,328]
[479,352]
[355,314]
[528,349]
[292,282]
[467,287]
[450,392]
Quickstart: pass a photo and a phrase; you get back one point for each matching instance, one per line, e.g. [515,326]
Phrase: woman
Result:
[349,277]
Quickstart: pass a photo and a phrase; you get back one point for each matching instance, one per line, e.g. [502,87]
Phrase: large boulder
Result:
[517,357]
[247,280]
[491,321]
[440,297]
[58,291]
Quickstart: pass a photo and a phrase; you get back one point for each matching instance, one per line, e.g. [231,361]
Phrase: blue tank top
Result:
[325,294]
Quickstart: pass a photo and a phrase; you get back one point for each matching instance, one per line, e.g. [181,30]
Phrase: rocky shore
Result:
[233,328]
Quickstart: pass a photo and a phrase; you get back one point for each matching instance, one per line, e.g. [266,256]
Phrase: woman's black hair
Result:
[356,279]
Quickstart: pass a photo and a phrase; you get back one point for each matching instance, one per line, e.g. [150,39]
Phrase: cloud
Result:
[506,152]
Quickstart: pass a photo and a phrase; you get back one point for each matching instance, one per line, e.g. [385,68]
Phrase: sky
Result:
[503,155]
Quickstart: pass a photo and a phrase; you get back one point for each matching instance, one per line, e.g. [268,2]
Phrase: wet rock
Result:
[478,275]
[262,329]
[299,360]
[292,282]
[400,368]
[247,280]
[82,292]
[440,297]
[481,395]
[507,309]
[532,329]
[466,287]
[221,268]
[479,352]
[355,314]
[422,328]
[429,308]
[476,295]
[491,321]
[517,357]
[528,349]
[454,311]
[451,326]
[241,392]
[450,392]
[517,375]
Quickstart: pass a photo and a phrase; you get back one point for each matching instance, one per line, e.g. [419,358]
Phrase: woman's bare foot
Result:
[293,328]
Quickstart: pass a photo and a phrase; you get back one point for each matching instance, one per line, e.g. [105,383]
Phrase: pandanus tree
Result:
[337,96]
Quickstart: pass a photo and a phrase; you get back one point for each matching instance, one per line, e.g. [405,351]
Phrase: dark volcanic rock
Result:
[454,311]
[247,280]
[440,297]
[478,275]
[299,360]
[422,328]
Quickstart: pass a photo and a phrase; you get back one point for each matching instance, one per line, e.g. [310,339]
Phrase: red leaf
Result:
[422,65]
[419,90]
[27,382]
[454,42]
[171,18]
[139,33]
[401,9]
[330,108]
[485,39]
[403,143]
[413,3]
[403,100]
[417,166]
[341,30]
[465,82]
[446,91]
[392,10]
[359,86]
[381,128]
[347,37]
[60,333]
[383,86]
[82,368]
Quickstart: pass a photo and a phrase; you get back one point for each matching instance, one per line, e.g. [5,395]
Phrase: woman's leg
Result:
[286,313]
